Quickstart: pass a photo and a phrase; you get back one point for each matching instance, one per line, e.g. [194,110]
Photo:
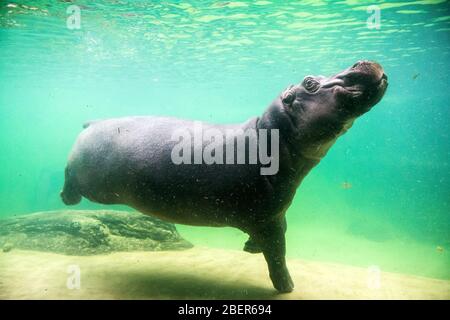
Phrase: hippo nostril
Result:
[363,63]
[384,76]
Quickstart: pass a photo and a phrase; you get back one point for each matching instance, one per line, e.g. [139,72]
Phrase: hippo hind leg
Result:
[70,194]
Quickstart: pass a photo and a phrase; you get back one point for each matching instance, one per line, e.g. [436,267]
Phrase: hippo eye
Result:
[311,84]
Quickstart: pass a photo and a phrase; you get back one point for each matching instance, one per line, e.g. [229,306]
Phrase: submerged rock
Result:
[7,247]
[89,232]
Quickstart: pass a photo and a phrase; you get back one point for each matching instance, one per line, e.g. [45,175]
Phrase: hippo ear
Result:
[288,96]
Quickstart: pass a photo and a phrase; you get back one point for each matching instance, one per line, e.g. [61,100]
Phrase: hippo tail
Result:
[70,194]
[89,123]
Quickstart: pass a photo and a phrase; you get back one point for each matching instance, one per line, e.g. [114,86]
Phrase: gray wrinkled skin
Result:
[127,161]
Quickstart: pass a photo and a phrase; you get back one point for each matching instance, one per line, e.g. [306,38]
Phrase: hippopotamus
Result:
[130,161]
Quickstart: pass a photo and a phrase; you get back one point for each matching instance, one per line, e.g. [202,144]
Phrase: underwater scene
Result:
[371,220]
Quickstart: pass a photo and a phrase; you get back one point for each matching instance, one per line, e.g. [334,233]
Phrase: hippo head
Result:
[321,109]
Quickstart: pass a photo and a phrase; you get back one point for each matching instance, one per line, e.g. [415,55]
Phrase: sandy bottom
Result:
[198,273]
[320,240]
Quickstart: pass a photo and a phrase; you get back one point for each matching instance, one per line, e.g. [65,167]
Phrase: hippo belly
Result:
[128,161]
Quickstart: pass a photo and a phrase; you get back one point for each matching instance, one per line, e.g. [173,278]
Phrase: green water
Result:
[380,196]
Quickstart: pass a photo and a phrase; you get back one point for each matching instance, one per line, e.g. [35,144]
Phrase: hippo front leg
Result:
[272,242]
[252,246]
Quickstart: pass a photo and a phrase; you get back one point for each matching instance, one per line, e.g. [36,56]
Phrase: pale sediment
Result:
[198,273]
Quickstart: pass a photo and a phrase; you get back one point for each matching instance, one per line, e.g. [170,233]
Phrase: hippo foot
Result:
[70,198]
[282,281]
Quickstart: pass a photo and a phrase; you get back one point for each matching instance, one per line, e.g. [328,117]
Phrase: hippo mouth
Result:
[363,78]
[358,90]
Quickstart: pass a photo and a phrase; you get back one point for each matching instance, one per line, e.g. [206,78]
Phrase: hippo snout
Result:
[370,71]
